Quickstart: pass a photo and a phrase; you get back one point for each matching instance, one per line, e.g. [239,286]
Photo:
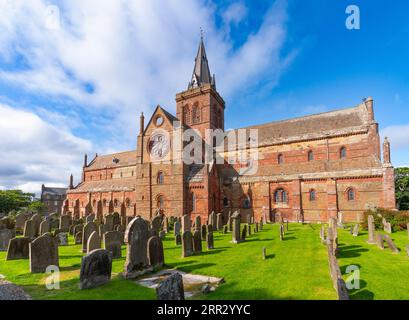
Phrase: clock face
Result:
[159,146]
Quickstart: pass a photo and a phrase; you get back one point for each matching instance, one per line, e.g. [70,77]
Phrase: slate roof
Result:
[122,159]
[53,191]
[123,184]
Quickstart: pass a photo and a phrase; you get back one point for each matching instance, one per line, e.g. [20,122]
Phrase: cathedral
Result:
[307,169]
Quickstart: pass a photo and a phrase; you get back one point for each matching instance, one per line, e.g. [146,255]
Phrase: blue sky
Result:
[74,76]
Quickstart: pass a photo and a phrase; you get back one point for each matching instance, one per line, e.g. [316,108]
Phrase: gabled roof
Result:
[170,117]
[52,191]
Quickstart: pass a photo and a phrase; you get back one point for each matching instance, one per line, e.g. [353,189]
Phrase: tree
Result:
[14,199]
[402,188]
[37,206]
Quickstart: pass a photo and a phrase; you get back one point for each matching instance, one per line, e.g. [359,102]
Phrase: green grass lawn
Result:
[383,274]
[295,268]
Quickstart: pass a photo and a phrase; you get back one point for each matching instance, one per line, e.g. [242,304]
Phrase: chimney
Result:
[369,107]
[85,160]
[386,151]
[71,185]
[142,124]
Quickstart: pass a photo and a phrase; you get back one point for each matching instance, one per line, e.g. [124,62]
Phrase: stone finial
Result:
[369,106]
[386,151]
[142,123]
[71,185]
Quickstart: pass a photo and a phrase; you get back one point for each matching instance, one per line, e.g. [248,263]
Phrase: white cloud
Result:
[35,152]
[235,13]
[398,136]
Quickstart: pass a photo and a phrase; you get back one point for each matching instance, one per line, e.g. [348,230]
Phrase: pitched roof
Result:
[53,191]
[124,184]
[113,160]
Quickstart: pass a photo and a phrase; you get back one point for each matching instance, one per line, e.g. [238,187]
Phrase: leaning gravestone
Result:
[65,223]
[171,288]
[44,227]
[62,238]
[197,242]
[18,249]
[96,269]
[236,227]
[113,242]
[210,240]
[155,252]
[187,244]
[29,229]
[36,218]
[88,229]
[379,241]
[94,242]
[136,237]
[391,244]
[5,236]
[21,219]
[371,229]
[43,252]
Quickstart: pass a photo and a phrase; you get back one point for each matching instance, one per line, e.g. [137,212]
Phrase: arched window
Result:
[187,115]
[160,202]
[280,196]
[280,158]
[343,153]
[160,178]
[193,202]
[310,155]
[351,194]
[196,114]
[225,202]
[313,195]
[247,202]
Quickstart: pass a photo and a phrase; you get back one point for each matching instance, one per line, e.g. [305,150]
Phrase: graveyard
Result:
[293,267]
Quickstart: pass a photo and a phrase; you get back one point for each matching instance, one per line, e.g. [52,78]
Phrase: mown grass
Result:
[295,268]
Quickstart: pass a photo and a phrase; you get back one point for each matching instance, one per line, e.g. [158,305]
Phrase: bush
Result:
[397,219]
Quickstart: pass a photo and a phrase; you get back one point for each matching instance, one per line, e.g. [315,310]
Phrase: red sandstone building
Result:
[309,168]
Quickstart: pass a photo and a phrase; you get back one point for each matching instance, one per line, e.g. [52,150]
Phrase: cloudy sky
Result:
[75,75]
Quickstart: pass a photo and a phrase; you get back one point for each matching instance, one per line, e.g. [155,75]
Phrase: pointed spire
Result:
[201,71]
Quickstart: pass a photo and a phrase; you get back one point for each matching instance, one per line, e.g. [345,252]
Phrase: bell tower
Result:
[200,106]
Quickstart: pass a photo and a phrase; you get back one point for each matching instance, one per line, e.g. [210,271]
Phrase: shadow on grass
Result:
[289,238]
[361,293]
[351,251]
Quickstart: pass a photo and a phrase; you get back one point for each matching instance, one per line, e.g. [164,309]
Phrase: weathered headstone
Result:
[225,229]
[77,227]
[94,242]
[89,218]
[36,218]
[5,236]
[371,229]
[256,227]
[44,227]
[165,224]
[113,242]
[21,219]
[116,219]
[18,249]
[204,232]
[43,252]
[212,219]
[210,240]
[387,227]
[88,229]
[155,252]
[171,288]
[187,244]
[136,237]
[176,227]
[355,231]
[243,233]
[96,269]
[197,242]
[65,223]
[249,229]
[101,230]
[29,229]
[62,238]
[391,244]
[219,221]
[178,239]
[281,231]
[78,237]
[379,241]
[236,227]
[264,253]
[109,222]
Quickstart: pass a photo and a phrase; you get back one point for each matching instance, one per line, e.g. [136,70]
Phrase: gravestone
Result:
[225,228]
[236,227]
[261,224]
[264,253]
[101,230]
[44,227]
[244,233]
[186,225]
[256,228]
[198,224]
[120,228]
[355,231]
[281,230]
[116,219]
[43,252]
[197,242]
[387,227]
[204,232]
[212,219]
[219,221]
[36,218]
[332,240]
[379,241]
[113,242]
[155,252]
[21,219]
[187,244]
[156,225]
[391,244]
[171,288]
[62,239]
[5,236]
[78,237]
[88,229]
[94,242]
[18,249]
[371,229]
[176,227]
[210,240]
[178,239]
[136,237]
[64,223]
[165,224]
[77,228]
[162,235]
[71,231]
[109,222]
[89,218]
[96,269]
[29,229]
[249,229]
[286,225]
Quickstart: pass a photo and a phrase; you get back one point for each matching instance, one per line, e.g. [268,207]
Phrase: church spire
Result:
[201,71]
